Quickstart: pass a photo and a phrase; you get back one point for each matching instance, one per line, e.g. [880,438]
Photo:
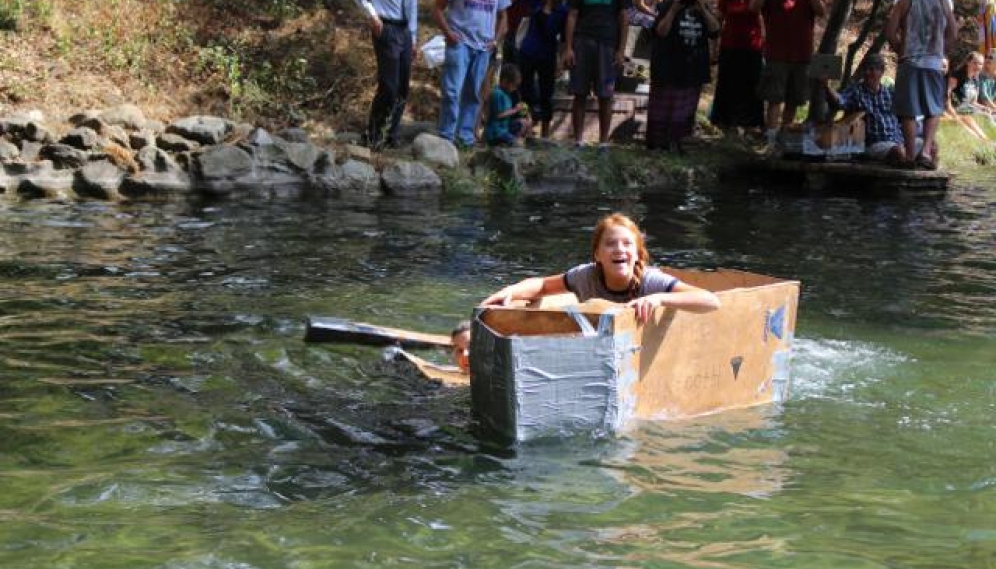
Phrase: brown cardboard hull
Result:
[535,373]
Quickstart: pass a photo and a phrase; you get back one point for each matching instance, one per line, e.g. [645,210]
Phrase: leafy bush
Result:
[10,14]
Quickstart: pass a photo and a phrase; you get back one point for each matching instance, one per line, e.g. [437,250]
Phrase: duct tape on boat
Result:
[781,364]
[604,321]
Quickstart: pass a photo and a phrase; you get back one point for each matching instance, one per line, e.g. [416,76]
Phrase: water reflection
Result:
[706,454]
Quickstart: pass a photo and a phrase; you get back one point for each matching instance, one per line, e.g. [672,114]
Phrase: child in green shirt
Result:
[508,122]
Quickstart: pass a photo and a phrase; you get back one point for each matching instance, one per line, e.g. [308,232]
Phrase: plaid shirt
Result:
[881,124]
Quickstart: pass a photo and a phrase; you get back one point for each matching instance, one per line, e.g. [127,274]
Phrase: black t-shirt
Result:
[599,19]
[681,58]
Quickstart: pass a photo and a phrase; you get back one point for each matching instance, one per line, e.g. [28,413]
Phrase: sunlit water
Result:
[159,409]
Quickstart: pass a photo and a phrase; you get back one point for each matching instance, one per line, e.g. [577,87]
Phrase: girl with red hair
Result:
[619,272]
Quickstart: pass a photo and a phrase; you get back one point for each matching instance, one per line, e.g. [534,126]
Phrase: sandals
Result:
[924,162]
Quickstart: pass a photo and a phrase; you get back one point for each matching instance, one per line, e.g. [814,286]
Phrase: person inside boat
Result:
[620,272]
[883,135]
[460,337]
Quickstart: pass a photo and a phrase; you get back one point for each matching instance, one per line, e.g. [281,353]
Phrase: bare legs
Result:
[929,148]
[604,118]
[776,116]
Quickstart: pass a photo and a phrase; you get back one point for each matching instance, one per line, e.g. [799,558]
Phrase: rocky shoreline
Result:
[117,154]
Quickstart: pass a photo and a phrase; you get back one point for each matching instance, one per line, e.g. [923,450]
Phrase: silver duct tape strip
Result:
[781,375]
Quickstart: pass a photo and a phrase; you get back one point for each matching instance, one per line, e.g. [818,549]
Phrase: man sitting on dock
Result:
[883,135]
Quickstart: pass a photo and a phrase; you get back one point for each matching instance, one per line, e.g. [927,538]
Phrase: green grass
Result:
[961,152]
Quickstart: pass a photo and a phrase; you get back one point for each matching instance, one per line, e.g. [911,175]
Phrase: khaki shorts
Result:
[784,83]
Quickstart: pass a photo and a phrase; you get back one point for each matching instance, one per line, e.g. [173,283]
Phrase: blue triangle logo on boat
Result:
[776,322]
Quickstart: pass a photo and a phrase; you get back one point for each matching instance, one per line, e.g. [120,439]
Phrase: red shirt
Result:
[789,24]
[741,27]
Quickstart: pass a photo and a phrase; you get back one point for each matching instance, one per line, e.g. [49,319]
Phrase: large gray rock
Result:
[222,169]
[353,176]
[84,138]
[563,169]
[435,150]
[92,122]
[508,162]
[410,179]
[300,155]
[128,116]
[100,179]
[325,171]
[30,151]
[152,159]
[176,143]
[15,125]
[64,156]
[409,131]
[203,129]
[141,139]
[271,168]
[38,180]
[160,174]
[259,137]
[82,118]
[37,132]
[9,151]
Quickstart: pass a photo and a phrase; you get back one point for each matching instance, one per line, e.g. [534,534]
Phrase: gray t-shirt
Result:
[925,28]
[475,20]
[584,282]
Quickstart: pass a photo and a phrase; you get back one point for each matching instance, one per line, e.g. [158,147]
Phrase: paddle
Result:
[331,329]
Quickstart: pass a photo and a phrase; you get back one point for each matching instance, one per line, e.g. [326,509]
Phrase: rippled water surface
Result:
[158,407]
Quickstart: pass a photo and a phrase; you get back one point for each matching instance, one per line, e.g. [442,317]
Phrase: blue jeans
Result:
[463,72]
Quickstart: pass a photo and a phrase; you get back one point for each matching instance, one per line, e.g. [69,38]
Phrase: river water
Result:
[159,409]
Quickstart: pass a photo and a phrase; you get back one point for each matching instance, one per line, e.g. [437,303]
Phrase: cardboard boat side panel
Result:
[693,364]
[565,384]
[526,387]
[723,279]
[492,385]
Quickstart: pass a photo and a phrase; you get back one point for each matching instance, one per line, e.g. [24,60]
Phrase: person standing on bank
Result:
[788,48]
[619,272]
[473,29]
[393,25]
[741,59]
[679,68]
[919,32]
[538,59]
[595,39]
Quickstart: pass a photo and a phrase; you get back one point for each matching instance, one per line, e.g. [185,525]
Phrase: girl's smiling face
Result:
[617,253]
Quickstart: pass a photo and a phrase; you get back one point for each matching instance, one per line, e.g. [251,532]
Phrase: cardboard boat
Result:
[555,370]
